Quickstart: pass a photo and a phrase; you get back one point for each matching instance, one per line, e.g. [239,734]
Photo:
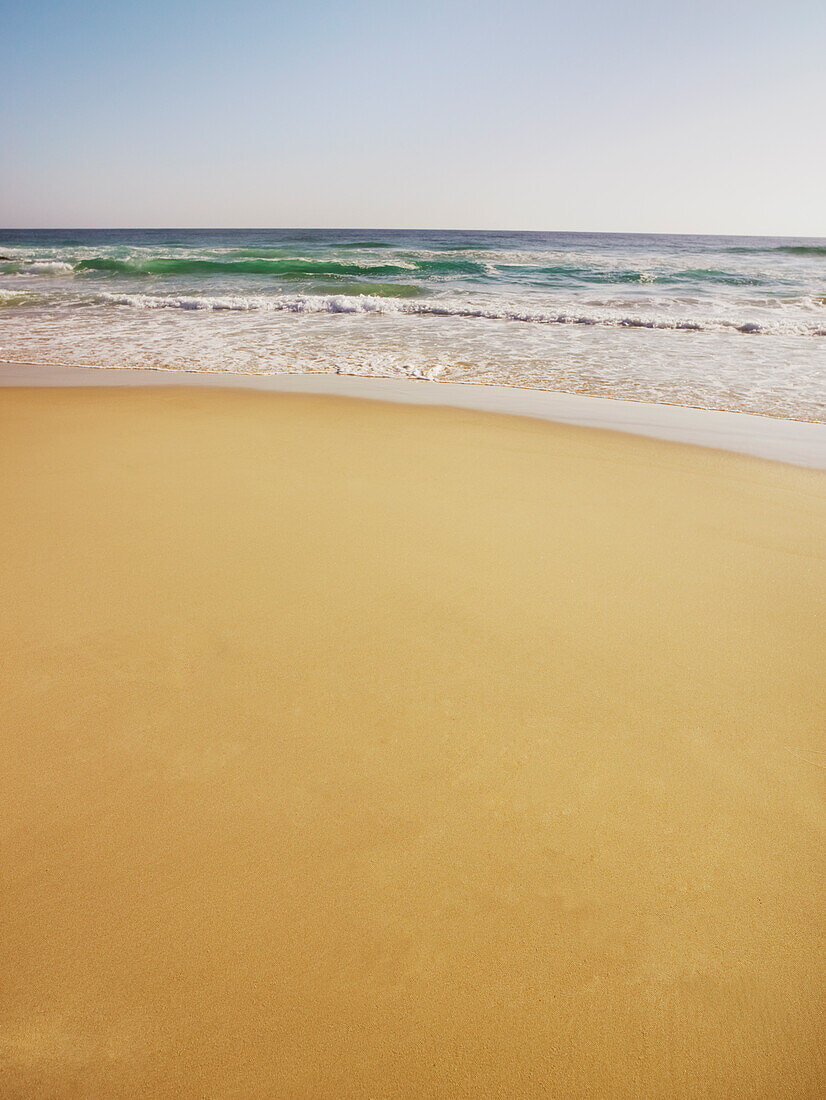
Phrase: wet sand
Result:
[801,442]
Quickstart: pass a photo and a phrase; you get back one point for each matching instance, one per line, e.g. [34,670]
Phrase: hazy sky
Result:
[592,114]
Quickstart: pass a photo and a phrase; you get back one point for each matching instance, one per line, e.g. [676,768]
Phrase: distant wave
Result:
[364,244]
[789,249]
[363,304]
[629,275]
[803,249]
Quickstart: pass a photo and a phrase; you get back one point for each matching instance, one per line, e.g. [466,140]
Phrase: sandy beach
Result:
[356,748]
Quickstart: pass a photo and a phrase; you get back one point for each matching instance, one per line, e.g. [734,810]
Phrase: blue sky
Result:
[671,117]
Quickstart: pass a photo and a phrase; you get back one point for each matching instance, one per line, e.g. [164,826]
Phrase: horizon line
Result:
[389,229]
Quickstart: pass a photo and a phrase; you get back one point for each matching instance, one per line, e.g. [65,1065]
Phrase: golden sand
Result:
[354,749]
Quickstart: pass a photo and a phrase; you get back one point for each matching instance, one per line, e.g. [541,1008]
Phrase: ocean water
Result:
[716,322]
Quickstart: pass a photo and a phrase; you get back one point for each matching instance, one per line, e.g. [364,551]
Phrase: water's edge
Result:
[798,442]
[727,323]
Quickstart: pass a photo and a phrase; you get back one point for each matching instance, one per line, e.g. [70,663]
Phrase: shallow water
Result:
[720,322]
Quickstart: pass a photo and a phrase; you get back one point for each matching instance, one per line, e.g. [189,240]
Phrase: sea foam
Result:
[367,304]
[47,267]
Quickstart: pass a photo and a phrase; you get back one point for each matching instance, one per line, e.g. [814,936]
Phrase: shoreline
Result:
[797,442]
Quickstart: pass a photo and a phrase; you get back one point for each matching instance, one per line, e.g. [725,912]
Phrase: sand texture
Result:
[360,750]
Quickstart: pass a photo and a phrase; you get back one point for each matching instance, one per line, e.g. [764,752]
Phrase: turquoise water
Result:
[719,322]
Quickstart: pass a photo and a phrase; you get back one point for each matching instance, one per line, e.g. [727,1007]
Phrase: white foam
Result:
[280,303]
[447,307]
[47,267]
[12,297]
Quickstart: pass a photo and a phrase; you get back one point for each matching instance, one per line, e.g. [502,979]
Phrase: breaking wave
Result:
[374,304]
[284,268]
[495,265]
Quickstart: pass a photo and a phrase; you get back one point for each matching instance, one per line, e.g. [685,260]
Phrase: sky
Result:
[600,115]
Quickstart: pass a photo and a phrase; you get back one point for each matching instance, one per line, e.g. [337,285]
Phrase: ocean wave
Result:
[424,267]
[803,249]
[14,266]
[364,244]
[286,268]
[642,276]
[788,249]
[373,304]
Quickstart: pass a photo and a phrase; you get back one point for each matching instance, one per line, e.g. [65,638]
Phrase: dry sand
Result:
[357,749]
